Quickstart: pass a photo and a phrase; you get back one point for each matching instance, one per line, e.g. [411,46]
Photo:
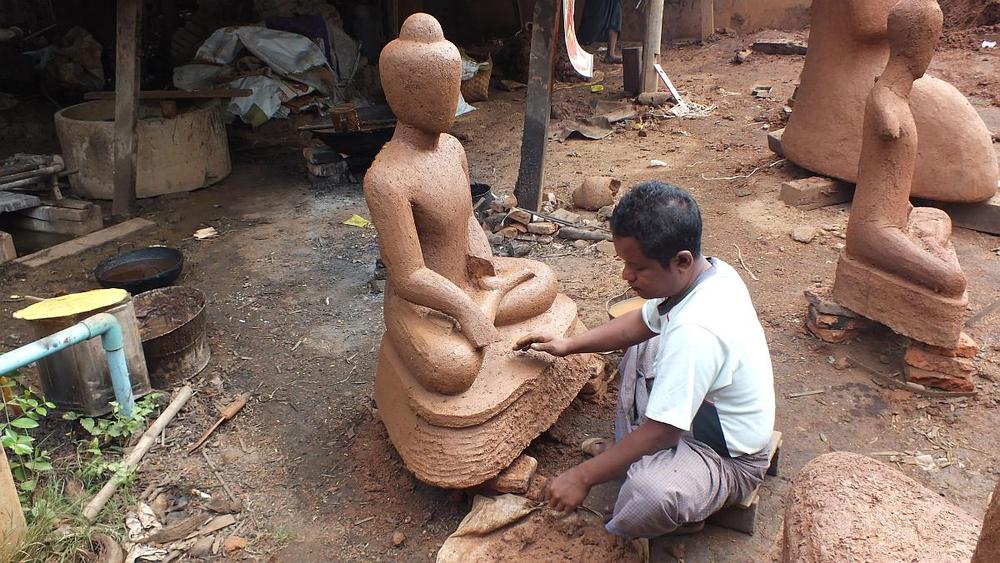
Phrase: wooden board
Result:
[86,242]
[13,201]
[176,94]
[544,30]
[983,217]
[11,515]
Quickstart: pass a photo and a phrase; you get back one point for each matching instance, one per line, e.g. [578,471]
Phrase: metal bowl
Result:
[141,270]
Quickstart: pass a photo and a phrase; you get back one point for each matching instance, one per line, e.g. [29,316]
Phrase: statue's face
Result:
[421,75]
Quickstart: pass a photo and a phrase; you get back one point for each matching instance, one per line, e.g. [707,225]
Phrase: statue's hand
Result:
[479,330]
[505,283]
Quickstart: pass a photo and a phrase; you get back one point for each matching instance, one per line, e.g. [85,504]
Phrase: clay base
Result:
[461,457]
[906,308]
[848,507]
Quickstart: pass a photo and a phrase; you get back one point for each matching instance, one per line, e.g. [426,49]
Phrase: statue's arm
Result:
[412,279]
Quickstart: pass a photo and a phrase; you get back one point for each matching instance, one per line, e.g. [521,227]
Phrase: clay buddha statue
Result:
[848,48]
[899,267]
[448,381]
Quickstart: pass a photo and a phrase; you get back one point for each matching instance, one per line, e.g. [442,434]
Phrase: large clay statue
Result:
[458,404]
[848,48]
[899,267]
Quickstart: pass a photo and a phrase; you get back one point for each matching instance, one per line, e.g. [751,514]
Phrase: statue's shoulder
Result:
[451,143]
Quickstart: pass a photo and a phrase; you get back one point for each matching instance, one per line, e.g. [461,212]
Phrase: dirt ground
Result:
[295,322]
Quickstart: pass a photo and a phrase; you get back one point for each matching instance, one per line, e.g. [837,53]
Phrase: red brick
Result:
[938,380]
[833,336]
[920,357]
[967,348]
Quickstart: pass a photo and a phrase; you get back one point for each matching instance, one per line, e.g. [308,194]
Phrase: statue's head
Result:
[421,75]
[914,29]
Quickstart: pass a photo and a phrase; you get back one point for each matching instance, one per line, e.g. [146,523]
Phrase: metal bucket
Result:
[173,332]
[78,378]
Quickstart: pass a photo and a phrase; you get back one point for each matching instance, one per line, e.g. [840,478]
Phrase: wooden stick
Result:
[140,449]
[889,381]
[218,476]
[226,414]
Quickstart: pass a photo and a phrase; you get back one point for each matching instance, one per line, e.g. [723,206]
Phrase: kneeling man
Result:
[696,407]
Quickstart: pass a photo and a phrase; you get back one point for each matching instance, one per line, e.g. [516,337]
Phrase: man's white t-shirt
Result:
[713,369]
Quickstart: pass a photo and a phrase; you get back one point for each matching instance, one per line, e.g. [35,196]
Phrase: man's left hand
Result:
[567,491]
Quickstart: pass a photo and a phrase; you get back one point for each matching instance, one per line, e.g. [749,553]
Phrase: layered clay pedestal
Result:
[460,441]
[899,267]
[458,403]
[848,49]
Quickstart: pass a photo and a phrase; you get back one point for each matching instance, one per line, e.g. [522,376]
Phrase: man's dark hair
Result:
[664,219]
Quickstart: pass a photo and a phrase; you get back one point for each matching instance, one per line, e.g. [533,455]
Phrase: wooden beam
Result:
[545,26]
[176,94]
[651,45]
[84,243]
[707,19]
[983,217]
[127,61]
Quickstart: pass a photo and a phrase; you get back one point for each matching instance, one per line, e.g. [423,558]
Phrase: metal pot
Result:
[173,332]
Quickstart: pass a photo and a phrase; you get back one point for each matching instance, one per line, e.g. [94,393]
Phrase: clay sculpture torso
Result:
[458,403]
[848,48]
[899,267]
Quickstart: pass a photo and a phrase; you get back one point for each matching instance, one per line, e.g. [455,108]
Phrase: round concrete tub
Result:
[181,154]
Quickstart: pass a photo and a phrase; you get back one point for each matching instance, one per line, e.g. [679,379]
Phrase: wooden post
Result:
[11,516]
[544,28]
[127,58]
[707,19]
[651,46]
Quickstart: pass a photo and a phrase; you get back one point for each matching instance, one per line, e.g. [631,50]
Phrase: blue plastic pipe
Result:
[102,324]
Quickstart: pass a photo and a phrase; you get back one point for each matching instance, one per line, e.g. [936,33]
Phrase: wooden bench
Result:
[742,516]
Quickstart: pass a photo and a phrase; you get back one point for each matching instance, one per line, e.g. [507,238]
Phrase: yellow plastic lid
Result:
[72,304]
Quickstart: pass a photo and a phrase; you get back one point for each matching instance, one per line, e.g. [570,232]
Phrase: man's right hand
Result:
[543,343]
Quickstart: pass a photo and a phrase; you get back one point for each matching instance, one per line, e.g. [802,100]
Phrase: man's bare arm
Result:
[616,334]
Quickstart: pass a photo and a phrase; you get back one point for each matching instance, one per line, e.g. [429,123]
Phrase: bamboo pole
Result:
[135,456]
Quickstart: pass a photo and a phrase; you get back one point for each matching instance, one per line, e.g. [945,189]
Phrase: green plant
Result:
[110,434]
[22,413]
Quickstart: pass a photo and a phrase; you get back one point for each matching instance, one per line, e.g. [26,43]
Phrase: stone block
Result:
[517,477]
[7,250]
[815,192]
[774,141]
[920,357]
[938,380]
